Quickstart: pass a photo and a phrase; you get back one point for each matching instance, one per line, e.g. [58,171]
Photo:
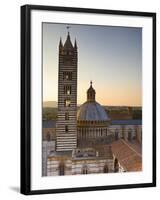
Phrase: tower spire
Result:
[75,44]
[68,27]
[60,43]
[68,44]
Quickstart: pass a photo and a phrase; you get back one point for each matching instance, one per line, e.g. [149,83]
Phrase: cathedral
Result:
[92,120]
[86,141]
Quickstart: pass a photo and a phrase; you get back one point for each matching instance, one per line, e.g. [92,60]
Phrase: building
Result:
[92,120]
[129,130]
[49,130]
[81,161]
[66,126]
[87,140]
[127,157]
[47,148]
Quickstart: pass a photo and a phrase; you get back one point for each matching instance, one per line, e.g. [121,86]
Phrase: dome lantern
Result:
[91,93]
[92,111]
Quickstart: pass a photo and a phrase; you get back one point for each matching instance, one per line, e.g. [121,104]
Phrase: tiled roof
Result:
[104,151]
[127,122]
[128,157]
[49,124]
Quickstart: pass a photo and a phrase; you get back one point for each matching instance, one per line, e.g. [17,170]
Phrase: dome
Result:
[92,111]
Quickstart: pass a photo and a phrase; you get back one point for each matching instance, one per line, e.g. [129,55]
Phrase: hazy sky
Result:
[109,56]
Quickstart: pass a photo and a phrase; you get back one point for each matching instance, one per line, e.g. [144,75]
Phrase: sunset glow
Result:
[109,56]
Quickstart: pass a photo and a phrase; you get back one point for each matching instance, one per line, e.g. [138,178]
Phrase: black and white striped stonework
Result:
[66,126]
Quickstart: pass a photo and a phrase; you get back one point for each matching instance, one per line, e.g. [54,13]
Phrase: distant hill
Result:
[50,104]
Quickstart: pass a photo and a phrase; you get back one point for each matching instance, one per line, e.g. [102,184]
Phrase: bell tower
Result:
[66,126]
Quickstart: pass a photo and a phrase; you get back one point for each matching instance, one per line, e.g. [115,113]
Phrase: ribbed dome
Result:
[92,111]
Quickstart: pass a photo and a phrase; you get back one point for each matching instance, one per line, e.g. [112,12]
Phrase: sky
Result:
[109,56]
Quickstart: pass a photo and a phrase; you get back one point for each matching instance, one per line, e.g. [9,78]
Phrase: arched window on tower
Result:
[61,169]
[66,128]
[66,116]
[67,76]
[67,102]
[67,89]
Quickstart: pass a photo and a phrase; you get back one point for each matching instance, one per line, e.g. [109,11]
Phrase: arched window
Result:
[66,128]
[84,170]
[116,134]
[123,132]
[61,169]
[67,89]
[105,169]
[67,102]
[106,131]
[116,166]
[130,134]
[66,116]
[67,76]
[101,132]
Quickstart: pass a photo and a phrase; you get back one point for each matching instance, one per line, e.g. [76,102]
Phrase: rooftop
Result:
[127,122]
[52,123]
[128,156]
[95,152]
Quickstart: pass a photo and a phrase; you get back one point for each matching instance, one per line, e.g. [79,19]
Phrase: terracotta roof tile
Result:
[128,157]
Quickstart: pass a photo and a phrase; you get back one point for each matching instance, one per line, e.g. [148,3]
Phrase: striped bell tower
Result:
[66,126]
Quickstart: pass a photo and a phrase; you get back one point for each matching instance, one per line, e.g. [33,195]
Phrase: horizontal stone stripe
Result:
[65,122]
[65,141]
[71,118]
[63,137]
[64,146]
[69,147]
[70,126]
